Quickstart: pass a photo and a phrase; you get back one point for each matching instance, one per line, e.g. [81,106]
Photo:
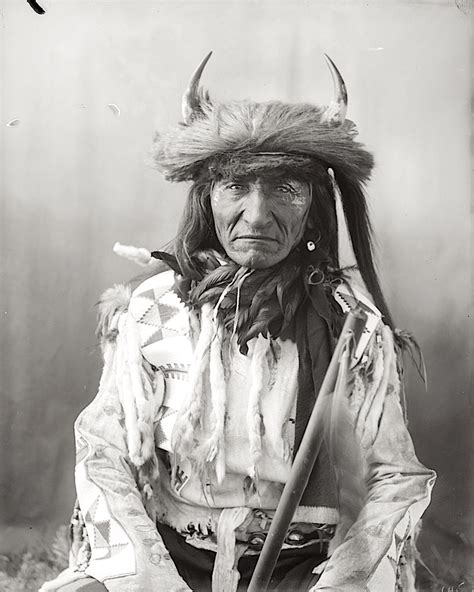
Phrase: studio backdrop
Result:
[83,88]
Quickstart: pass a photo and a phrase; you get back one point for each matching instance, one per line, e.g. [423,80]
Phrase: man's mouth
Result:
[256,237]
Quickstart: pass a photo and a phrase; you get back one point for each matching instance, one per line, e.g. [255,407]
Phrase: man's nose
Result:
[257,212]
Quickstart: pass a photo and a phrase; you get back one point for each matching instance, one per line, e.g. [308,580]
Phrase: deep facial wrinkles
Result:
[259,221]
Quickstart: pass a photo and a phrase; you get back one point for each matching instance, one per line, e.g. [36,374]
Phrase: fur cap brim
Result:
[187,151]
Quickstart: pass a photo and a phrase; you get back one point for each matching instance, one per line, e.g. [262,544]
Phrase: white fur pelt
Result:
[111,304]
[182,439]
[135,381]
[260,376]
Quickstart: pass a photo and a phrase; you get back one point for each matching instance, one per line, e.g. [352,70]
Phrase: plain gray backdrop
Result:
[73,181]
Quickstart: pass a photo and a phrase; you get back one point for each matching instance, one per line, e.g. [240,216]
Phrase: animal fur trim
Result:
[112,302]
[260,377]
[218,397]
[190,416]
[243,129]
[136,382]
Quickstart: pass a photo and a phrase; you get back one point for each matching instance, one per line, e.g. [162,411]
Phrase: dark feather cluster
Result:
[258,301]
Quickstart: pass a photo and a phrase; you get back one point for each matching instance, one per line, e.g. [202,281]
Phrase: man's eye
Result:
[285,189]
[235,187]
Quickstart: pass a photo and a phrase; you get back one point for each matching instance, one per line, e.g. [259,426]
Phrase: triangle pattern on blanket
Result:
[152,316]
[101,534]
[162,322]
[90,514]
[167,312]
[101,511]
[159,316]
[154,335]
[164,426]
[112,552]
[141,306]
[156,307]
[103,529]
[149,294]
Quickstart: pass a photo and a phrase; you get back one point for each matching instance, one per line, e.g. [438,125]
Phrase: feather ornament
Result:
[406,342]
[249,302]
[140,256]
[170,260]
[214,279]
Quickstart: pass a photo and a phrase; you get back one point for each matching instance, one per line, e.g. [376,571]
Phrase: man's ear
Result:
[310,223]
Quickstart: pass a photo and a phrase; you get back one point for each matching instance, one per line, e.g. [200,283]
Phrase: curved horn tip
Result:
[202,65]
[190,102]
[208,56]
[335,114]
[338,79]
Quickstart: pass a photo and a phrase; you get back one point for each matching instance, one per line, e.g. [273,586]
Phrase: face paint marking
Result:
[259,221]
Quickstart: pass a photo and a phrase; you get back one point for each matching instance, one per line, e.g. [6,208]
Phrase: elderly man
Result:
[213,365]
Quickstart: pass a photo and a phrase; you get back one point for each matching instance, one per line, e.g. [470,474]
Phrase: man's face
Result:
[259,220]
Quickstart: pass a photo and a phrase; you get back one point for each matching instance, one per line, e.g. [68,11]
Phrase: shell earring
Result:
[311,245]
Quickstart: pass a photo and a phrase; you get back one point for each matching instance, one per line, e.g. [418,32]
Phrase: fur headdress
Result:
[247,137]
[234,139]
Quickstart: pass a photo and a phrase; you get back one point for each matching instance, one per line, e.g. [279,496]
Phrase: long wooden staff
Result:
[304,459]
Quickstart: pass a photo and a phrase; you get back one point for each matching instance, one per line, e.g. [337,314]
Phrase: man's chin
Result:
[256,259]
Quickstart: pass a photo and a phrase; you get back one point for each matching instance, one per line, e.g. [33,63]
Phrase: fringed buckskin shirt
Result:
[128,475]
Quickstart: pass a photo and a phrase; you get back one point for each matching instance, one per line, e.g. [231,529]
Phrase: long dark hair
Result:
[196,230]
[197,233]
